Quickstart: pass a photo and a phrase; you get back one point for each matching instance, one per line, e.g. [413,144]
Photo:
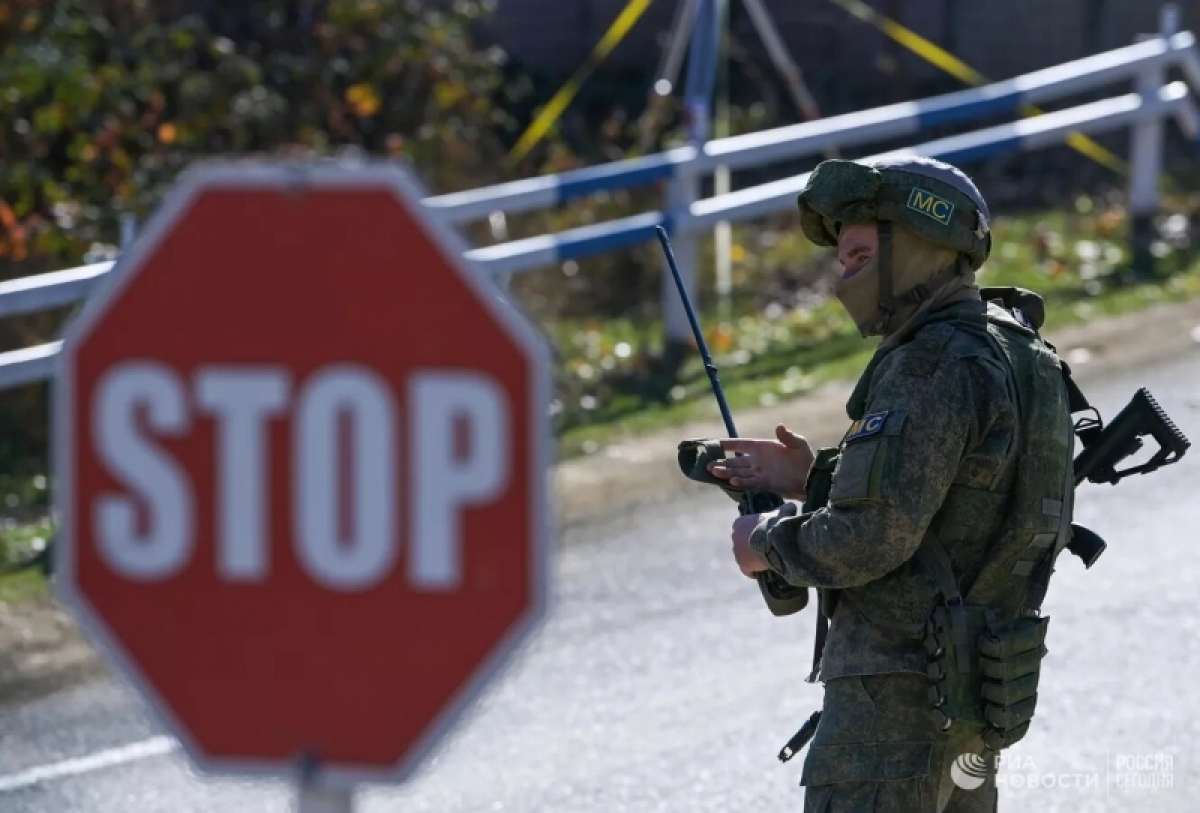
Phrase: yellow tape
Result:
[960,70]
[932,53]
[1082,144]
[558,104]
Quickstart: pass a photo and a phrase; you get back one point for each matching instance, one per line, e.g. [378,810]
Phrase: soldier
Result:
[950,500]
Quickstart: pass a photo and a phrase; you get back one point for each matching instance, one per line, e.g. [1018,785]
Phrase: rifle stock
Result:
[1106,446]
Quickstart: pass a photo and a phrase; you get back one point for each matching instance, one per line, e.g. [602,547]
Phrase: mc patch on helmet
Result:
[930,205]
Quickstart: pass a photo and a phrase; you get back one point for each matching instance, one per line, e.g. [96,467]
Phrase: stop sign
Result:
[301,453]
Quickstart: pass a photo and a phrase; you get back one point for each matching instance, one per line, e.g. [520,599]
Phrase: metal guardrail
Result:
[42,291]
[685,215]
[26,366]
[810,138]
[769,198]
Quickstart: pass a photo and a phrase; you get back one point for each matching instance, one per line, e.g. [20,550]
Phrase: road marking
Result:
[155,746]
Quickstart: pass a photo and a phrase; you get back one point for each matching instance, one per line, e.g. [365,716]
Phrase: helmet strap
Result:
[887,299]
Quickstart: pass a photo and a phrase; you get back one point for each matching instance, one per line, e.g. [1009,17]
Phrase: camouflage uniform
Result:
[937,446]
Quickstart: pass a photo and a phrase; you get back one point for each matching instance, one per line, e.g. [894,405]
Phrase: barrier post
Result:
[682,192]
[685,187]
[1146,157]
[128,230]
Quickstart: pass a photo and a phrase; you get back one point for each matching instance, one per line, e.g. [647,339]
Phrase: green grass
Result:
[614,384]
[16,588]
[18,544]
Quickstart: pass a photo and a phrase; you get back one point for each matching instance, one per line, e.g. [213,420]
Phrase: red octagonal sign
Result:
[301,461]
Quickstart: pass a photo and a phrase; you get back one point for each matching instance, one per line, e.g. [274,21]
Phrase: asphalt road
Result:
[659,683]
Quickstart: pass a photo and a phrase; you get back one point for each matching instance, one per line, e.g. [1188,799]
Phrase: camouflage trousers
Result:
[877,750]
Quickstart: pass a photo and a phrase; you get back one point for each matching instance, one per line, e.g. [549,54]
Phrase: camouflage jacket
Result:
[932,449]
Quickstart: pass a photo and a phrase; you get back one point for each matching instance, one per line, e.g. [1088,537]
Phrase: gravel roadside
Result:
[645,470]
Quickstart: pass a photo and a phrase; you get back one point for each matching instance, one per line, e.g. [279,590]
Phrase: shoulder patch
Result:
[869,425]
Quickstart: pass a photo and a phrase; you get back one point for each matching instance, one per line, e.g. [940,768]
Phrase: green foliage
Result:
[104,102]
[21,543]
[108,101]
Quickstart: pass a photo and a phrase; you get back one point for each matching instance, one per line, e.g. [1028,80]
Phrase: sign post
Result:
[301,453]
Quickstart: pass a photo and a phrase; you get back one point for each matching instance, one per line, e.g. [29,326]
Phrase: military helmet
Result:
[933,199]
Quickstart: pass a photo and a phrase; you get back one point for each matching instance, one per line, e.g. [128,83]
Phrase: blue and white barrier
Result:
[810,138]
[548,191]
[26,366]
[686,217]
[53,290]
[777,196]
[1021,136]
[573,244]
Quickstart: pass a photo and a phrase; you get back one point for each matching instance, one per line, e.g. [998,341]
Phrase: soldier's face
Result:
[856,246]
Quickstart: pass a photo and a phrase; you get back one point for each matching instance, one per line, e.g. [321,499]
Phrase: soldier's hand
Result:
[778,465]
[747,560]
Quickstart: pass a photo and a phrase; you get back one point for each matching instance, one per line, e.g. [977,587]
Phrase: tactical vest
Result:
[972,594]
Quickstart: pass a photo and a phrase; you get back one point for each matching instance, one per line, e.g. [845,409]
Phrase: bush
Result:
[105,101]
[110,100]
